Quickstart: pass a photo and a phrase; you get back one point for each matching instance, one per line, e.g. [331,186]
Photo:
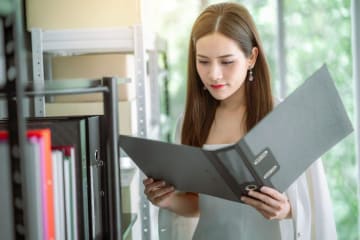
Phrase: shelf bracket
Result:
[38,70]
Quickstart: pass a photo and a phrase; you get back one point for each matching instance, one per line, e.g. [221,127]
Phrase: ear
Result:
[252,58]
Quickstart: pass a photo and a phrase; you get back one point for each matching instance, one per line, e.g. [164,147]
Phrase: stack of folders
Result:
[63,159]
[63,179]
[49,174]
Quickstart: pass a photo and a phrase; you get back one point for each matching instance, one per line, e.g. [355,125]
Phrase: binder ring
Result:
[251,187]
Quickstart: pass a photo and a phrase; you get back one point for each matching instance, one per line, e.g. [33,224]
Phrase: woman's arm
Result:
[165,196]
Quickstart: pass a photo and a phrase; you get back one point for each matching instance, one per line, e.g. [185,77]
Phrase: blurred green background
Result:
[316,31]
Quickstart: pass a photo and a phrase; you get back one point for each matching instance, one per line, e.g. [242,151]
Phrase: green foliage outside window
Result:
[318,31]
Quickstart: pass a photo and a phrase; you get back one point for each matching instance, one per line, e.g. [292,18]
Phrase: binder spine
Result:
[261,166]
[244,151]
[228,178]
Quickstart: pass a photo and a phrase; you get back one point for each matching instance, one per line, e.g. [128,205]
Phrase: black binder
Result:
[274,153]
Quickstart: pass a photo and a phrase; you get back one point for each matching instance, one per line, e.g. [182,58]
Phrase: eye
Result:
[203,62]
[227,62]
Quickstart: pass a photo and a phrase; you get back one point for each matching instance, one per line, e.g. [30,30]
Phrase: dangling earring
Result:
[251,76]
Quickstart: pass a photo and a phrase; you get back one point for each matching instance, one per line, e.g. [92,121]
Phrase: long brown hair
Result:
[234,21]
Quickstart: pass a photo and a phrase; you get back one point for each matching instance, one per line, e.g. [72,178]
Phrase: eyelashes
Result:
[227,62]
[204,62]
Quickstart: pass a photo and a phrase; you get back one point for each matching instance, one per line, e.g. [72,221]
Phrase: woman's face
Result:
[221,65]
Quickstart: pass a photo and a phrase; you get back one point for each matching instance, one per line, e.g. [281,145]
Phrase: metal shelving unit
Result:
[107,86]
[16,89]
[127,40]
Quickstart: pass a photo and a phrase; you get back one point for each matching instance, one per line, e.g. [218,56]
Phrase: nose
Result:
[215,72]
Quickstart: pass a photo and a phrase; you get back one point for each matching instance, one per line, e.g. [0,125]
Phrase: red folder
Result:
[46,178]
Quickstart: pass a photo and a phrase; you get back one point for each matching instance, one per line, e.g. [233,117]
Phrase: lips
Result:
[217,86]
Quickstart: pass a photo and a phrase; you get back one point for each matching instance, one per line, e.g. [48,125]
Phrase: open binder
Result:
[274,153]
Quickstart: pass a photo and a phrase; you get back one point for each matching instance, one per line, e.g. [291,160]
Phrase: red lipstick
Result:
[217,86]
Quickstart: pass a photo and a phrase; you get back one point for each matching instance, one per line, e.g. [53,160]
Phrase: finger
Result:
[265,199]
[148,181]
[154,186]
[161,192]
[157,196]
[161,198]
[267,215]
[273,193]
[259,205]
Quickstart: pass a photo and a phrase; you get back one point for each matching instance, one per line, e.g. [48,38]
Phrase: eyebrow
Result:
[222,56]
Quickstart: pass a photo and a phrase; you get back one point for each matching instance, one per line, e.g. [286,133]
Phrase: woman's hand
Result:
[158,192]
[269,202]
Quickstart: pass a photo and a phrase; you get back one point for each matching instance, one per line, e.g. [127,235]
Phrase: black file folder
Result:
[274,153]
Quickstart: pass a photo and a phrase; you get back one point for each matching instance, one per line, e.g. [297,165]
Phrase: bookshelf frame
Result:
[128,40]
[16,90]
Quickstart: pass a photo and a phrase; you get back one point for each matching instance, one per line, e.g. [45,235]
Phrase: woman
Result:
[228,93]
